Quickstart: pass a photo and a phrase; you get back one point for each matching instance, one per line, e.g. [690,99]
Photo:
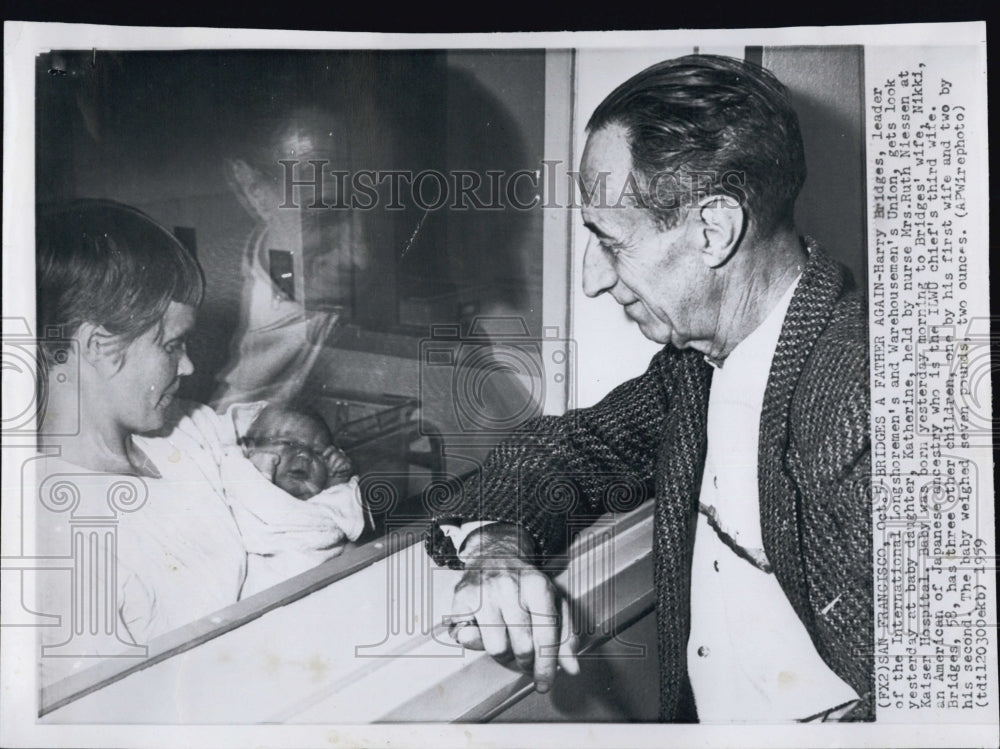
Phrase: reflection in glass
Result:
[325,277]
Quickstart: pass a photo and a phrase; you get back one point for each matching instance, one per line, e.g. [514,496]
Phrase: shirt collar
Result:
[764,338]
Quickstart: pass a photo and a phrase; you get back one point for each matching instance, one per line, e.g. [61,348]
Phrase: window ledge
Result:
[353,641]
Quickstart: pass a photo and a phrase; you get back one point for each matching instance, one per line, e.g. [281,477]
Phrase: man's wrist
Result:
[454,544]
[457,533]
[497,541]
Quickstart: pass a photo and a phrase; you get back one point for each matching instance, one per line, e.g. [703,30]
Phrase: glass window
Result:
[369,224]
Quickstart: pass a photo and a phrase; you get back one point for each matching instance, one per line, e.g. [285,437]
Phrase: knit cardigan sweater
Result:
[814,479]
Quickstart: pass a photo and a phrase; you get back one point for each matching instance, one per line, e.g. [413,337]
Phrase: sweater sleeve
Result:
[835,463]
[556,473]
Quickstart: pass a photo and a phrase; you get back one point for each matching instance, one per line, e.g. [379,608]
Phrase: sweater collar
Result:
[823,281]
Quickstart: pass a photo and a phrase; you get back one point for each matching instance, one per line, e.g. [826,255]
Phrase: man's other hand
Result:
[506,606]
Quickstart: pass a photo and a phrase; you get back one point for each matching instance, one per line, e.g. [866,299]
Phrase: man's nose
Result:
[598,275]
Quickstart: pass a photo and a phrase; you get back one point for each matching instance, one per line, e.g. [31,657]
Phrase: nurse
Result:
[116,299]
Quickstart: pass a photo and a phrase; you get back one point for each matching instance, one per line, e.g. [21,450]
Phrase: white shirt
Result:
[750,658]
[184,549]
[179,554]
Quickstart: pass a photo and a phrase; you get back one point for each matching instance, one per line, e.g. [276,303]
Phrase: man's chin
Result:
[659,335]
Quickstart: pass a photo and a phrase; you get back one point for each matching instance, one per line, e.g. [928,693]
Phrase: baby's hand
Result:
[339,467]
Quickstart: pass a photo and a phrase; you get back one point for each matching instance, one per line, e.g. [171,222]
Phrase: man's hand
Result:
[506,606]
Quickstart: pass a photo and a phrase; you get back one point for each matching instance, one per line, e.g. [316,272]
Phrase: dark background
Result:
[501,17]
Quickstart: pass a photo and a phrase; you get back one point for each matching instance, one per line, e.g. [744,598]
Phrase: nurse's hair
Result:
[110,265]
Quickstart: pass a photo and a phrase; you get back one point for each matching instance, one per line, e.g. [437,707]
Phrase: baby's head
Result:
[303,445]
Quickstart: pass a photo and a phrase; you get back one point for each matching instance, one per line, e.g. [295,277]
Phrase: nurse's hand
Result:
[509,608]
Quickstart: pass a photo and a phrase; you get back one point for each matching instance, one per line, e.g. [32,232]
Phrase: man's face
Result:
[657,275]
[140,391]
[298,441]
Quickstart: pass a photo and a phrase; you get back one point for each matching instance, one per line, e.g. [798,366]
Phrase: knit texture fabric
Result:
[558,473]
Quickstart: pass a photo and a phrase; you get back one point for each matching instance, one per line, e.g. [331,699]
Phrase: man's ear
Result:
[98,347]
[721,226]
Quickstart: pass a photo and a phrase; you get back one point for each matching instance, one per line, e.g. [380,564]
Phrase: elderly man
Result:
[752,421]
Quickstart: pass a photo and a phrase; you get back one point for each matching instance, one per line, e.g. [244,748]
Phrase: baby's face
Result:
[298,441]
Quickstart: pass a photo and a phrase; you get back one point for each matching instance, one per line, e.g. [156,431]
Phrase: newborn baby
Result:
[291,491]
[295,449]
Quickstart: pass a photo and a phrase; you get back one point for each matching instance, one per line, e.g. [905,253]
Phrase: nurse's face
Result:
[139,392]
